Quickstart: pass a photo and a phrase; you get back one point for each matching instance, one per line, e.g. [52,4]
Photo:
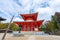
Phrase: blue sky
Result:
[45,8]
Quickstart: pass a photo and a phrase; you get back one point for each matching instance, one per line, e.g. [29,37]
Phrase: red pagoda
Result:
[30,22]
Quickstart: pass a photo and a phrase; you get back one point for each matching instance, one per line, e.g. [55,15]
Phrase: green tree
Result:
[3,25]
[14,27]
[50,26]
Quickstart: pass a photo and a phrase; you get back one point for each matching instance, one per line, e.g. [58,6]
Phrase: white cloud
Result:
[17,19]
[45,8]
[44,13]
[55,4]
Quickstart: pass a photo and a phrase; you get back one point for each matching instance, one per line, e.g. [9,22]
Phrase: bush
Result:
[3,25]
[14,27]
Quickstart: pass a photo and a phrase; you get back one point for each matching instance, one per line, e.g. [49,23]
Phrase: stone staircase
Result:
[16,33]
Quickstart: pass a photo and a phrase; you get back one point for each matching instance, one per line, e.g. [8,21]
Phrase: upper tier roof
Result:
[32,16]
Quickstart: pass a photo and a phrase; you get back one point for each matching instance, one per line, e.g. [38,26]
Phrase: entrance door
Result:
[28,28]
[24,27]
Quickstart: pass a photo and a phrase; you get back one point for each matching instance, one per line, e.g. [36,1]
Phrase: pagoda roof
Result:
[30,22]
[32,16]
[2,19]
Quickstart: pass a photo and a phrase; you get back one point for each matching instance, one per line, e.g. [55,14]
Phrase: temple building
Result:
[30,22]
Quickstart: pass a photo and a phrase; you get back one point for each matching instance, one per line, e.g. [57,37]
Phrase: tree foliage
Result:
[51,26]
[13,26]
[3,25]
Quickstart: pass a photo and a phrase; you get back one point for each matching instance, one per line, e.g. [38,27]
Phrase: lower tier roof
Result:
[38,23]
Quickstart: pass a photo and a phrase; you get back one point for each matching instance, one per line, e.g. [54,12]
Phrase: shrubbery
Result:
[13,26]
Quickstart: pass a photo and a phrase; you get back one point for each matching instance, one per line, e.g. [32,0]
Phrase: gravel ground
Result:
[30,37]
